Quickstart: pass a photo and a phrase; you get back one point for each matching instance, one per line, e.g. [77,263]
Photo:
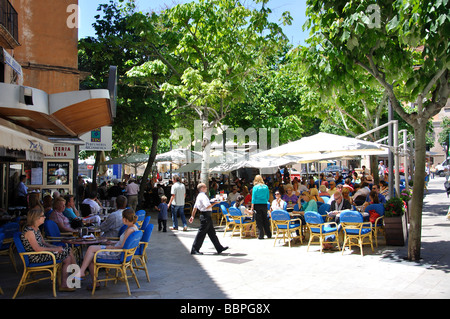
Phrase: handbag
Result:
[373,215]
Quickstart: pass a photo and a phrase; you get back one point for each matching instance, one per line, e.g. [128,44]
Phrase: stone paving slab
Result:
[255,269]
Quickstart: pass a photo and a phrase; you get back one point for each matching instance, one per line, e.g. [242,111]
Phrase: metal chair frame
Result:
[125,263]
[30,268]
[356,232]
[284,226]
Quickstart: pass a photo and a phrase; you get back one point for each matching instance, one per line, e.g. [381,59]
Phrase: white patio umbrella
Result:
[323,146]
[260,163]
[177,156]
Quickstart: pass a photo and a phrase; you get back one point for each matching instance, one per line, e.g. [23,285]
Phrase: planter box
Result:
[396,230]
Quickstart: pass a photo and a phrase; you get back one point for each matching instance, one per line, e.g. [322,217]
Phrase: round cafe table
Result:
[84,242]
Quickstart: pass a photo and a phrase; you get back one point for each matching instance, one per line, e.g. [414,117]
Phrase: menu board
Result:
[37,174]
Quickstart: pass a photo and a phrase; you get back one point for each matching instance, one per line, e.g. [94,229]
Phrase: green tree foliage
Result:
[211,48]
[403,47]
[141,111]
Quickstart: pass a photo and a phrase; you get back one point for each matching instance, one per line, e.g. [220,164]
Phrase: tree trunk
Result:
[374,168]
[151,159]
[95,170]
[206,151]
[415,228]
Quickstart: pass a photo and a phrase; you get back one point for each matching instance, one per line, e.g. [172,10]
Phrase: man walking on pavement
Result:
[204,206]
[178,192]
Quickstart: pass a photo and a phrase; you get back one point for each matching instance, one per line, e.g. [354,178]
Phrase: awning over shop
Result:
[23,140]
[67,114]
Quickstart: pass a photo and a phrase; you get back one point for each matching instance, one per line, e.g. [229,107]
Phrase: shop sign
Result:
[63,151]
[97,140]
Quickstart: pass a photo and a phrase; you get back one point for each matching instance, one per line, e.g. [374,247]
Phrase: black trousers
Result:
[206,227]
[262,221]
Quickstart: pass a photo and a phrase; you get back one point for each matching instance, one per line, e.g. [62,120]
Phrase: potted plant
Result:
[406,196]
[394,222]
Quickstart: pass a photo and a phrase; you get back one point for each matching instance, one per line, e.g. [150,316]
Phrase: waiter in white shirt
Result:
[204,206]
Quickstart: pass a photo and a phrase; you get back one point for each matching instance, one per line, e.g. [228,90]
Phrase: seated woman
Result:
[315,195]
[129,218]
[72,213]
[311,183]
[47,203]
[59,204]
[373,199]
[277,203]
[346,195]
[290,198]
[309,204]
[33,241]
[241,205]
[245,211]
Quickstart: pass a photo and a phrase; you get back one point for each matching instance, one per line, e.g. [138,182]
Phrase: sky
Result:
[297,8]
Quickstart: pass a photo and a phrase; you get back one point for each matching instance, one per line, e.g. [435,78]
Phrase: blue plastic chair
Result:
[122,229]
[224,212]
[378,225]
[2,236]
[141,216]
[6,248]
[321,229]
[141,252]
[29,267]
[284,226]
[52,233]
[323,210]
[229,222]
[145,223]
[355,228]
[325,199]
[240,221]
[121,264]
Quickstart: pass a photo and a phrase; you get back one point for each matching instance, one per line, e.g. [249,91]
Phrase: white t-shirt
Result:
[95,207]
[179,190]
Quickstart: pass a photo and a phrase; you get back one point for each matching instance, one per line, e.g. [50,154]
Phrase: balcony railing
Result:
[9,19]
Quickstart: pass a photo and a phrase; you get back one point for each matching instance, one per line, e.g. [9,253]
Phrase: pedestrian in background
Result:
[260,198]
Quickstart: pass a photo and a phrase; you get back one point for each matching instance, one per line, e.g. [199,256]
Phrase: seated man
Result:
[381,197]
[93,202]
[361,194]
[232,197]
[96,209]
[339,202]
[114,222]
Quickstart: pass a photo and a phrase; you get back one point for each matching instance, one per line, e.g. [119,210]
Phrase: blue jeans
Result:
[178,210]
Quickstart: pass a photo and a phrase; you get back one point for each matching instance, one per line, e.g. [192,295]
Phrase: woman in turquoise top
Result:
[309,205]
[260,198]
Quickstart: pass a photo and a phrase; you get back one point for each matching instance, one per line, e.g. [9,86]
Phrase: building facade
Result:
[42,111]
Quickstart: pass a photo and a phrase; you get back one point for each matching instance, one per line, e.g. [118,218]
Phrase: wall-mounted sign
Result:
[97,140]
[63,151]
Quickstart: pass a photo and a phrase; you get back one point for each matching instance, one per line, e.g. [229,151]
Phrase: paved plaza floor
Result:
[256,269]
